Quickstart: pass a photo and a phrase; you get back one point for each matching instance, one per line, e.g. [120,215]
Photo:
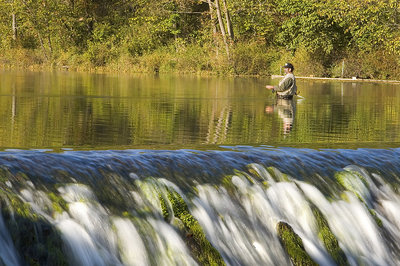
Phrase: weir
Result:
[242,205]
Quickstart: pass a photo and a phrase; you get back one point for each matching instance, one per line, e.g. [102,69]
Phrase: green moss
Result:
[22,176]
[259,172]
[277,175]
[344,196]
[164,208]
[178,224]
[196,239]
[293,245]
[246,176]
[126,214]
[112,191]
[253,178]
[22,209]
[263,183]
[378,221]
[58,203]
[38,242]
[352,181]
[4,173]
[329,239]
[376,218]
[254,172]
[227,183]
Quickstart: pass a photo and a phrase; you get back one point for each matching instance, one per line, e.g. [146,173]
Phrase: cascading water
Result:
[240,206]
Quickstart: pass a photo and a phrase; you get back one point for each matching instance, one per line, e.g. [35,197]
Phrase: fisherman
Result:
[287,86]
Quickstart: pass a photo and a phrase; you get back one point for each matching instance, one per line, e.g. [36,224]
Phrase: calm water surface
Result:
[121,146]
[92,111]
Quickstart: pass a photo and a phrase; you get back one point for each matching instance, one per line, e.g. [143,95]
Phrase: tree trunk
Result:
[14,26]
[42,45]
[212,16]
[50,45]
[222,26]
[228,21]
[214,28]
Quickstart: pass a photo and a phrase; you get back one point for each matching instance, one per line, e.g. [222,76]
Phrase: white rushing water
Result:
[8,254]
[239,221]
[242,227]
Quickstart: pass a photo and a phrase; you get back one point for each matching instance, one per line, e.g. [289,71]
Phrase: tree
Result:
[224,25]
[308,24]
[255,19]
[371,24]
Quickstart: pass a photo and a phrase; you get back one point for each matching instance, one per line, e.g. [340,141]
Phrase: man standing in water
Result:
[287,86]
[285,105]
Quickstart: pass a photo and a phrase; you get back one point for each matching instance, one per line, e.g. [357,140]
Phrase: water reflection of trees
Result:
[218,126]
[44,110]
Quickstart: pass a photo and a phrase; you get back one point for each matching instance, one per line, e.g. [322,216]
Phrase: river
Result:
[101,169]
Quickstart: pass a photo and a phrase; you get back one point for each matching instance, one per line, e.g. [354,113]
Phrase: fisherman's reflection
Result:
[286,109]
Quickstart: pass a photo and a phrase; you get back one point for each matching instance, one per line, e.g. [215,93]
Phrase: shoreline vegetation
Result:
[207,37]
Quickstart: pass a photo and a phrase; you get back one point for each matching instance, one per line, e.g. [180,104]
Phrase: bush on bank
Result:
[246,59]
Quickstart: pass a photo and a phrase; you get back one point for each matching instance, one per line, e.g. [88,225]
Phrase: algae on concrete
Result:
[293,245]
[194,235]
[329,239]
[357,184]
[37,241]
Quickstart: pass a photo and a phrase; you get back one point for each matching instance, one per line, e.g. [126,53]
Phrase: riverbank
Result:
[248,60]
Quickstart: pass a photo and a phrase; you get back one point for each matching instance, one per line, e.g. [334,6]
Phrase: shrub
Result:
[374,65]
[307,64]
[251,58]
